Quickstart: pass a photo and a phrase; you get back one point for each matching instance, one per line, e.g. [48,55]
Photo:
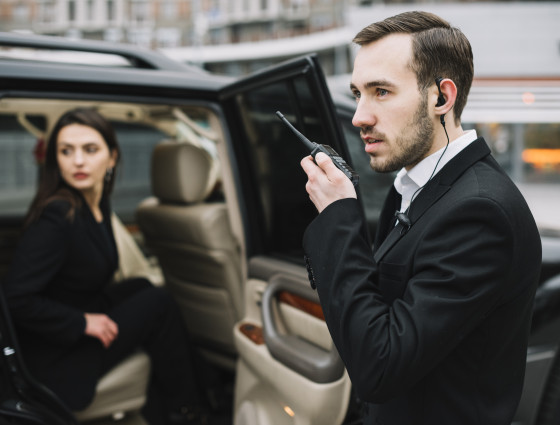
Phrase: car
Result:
[231,253]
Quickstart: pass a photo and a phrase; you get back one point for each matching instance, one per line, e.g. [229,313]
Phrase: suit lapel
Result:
[396,233]
[96,233]
[433,191]
[387,217]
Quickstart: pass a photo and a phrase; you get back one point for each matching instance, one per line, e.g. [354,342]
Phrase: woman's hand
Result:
[326,183]
[102,327]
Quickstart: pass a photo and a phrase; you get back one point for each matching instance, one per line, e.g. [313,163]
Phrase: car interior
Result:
[178,222]
[194,244]
[175,223]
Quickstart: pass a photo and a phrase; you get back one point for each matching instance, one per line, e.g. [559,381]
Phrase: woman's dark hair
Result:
[51,185]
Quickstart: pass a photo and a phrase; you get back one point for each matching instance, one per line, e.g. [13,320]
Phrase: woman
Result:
[73,324]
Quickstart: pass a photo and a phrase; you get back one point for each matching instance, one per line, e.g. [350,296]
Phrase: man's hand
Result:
[326,183]
[102,327]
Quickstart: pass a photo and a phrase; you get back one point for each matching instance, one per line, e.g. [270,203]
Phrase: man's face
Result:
[391,112]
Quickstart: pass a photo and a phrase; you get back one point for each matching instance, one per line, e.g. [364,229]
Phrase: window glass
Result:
[530,153]
[541,153]
[90,11]
[19,166]
[275,155]
[111,10]
[132,184]
[71,10]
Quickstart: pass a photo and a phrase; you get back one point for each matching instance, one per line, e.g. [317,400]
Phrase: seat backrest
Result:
[194,244]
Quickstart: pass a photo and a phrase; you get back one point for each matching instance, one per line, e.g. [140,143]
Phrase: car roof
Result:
[24,70]
[41,58]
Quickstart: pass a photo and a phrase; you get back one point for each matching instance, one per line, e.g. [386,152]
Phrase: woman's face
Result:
[83,158]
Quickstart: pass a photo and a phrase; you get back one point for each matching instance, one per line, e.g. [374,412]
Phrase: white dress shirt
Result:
[410,183]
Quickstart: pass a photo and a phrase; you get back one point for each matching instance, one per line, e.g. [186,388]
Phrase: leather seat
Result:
[191,237]
[121,390]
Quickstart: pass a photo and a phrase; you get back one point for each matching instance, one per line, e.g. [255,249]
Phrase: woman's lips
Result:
[80,176]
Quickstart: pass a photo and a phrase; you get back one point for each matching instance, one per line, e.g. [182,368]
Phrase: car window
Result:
[275,154]
[132,185]
[18,164]
[20,157]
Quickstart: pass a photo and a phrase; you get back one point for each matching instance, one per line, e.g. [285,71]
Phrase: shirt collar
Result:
[410,183]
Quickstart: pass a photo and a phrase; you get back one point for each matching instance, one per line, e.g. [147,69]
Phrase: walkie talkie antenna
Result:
[315,148]
[308,143]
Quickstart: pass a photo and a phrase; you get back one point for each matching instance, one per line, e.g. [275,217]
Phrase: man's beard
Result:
[412,146]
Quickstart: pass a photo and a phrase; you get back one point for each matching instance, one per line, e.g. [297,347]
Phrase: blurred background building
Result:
[172,23]
[514,101]
[236,37]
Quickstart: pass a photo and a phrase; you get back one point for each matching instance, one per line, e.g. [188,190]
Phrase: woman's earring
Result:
[108,175]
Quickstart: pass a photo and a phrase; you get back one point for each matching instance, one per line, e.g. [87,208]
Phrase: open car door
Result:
[288,371]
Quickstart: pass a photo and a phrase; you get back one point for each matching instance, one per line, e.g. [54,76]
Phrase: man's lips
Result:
[372,144]
[370,140]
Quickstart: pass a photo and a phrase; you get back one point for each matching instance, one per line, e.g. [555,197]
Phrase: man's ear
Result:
[445,95]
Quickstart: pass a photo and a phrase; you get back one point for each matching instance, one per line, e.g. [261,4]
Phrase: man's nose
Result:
[364,115]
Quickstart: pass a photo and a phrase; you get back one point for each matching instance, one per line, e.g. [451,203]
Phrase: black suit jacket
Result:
[433,330]
[60,270]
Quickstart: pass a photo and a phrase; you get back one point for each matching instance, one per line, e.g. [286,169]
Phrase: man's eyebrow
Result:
[374,83]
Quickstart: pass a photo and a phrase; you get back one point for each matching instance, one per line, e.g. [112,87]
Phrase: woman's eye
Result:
[65,152]
[91,149]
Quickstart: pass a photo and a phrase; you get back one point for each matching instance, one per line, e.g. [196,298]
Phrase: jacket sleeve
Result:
[459,273]
[40,255]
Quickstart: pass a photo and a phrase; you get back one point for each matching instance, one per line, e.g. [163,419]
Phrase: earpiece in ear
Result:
[440,100]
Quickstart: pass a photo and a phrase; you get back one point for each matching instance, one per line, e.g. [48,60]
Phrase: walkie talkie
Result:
[315,148]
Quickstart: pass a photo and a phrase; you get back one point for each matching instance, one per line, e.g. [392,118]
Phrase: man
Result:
[433,325]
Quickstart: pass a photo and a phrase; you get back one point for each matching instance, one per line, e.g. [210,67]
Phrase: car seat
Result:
[191,237]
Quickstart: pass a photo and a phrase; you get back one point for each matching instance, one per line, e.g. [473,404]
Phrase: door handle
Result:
[303,357]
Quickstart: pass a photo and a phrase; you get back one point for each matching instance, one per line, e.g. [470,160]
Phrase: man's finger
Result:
[307,164]
[322,158]
[327,165]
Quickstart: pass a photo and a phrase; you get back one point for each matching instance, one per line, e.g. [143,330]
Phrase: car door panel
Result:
[288,371]
[301,354]
[273,387]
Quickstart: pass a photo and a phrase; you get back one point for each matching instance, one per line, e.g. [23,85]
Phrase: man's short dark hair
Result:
[438,50]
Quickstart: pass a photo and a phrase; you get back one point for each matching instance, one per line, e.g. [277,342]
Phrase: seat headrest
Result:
[182,173]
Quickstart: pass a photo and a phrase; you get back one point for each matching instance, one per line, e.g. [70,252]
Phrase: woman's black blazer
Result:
[59,271]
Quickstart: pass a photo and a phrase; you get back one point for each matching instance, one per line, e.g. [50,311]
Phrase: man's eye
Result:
[382,92]
[356,94]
